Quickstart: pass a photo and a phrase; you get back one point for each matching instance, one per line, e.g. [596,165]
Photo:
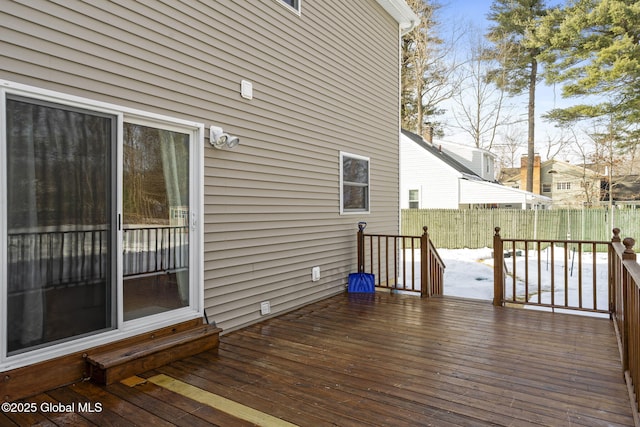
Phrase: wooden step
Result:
[107,367]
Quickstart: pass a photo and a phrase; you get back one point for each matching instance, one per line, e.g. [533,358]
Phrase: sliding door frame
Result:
[122,329]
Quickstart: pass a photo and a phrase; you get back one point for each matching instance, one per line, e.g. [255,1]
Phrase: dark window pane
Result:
[355,170]
[355,197]
[59,172]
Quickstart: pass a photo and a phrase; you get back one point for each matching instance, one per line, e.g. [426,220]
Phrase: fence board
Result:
[473,228]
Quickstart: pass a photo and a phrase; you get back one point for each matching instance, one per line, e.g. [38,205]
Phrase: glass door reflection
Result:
[155,221]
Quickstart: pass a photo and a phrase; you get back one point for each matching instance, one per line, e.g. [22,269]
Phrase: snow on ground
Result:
[468,272]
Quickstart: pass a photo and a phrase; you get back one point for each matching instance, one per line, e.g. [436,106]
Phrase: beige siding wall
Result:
[324,81]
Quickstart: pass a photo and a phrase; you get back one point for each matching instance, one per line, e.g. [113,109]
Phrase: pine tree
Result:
[514,35]
[596,51]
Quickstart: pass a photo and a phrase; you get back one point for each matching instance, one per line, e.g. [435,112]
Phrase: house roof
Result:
[485,191]
[447,159]
[626,188]
[509,175]
[401,12]
[473,188]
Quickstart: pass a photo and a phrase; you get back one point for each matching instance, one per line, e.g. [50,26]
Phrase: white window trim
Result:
[297,11]
[344,154]
[122,330]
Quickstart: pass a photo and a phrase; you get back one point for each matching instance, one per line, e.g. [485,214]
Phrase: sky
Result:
[472,10]
[475,12]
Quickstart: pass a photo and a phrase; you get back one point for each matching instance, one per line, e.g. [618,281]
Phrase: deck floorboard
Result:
[385,359]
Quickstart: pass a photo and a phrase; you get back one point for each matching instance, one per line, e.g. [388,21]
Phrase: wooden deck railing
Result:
[604,282]
[400,263]
[625,307]
[556,274]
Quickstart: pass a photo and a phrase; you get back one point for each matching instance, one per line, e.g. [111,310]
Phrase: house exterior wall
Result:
[271,205]
[437,182]
[569,186]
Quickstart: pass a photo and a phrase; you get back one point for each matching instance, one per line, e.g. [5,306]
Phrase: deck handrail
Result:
[399,263]
[625,307]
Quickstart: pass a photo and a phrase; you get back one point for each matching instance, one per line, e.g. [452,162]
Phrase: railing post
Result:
[613,273]
[498,264]
[361,227]
[616,235]
[425,267]
[627,316]
[628,254]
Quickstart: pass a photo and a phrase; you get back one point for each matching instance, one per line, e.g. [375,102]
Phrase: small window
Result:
[563,186]
[354,183]
[546,188]
[414,201]
[294,4]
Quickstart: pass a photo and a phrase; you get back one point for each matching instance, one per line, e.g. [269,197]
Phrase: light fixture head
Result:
[217,137]
[232,141]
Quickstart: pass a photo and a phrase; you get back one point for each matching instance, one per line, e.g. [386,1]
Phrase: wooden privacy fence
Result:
[400,263]
[472,228]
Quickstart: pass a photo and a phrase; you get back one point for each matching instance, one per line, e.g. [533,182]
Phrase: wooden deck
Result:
[376,360]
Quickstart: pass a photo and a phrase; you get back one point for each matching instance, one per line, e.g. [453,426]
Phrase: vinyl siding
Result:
[585,184]
[438,183]
[324,81]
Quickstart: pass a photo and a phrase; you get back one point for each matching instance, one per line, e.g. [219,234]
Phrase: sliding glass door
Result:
[60,236]
[155,220]
[98,231]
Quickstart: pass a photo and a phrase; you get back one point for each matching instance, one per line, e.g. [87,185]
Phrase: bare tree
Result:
[583,147]
[481,103]
[428,70]
[555,145]
[509,149]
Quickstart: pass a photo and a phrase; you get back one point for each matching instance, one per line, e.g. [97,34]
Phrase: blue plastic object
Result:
[361,283]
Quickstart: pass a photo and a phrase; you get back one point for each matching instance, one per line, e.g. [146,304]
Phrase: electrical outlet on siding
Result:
[265,308]
[315,274]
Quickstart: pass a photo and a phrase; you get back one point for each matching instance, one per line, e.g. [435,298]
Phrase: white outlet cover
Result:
[246,89]
[315,274]
[265,308]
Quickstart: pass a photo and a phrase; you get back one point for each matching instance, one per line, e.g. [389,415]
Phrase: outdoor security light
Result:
[219,138]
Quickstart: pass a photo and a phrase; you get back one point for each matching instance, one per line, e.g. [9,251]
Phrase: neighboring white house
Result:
[481,162]
[432,178]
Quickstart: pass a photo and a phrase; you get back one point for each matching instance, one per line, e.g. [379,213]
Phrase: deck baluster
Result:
[498,268]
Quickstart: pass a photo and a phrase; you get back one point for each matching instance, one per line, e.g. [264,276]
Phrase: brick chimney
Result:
[524,161]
